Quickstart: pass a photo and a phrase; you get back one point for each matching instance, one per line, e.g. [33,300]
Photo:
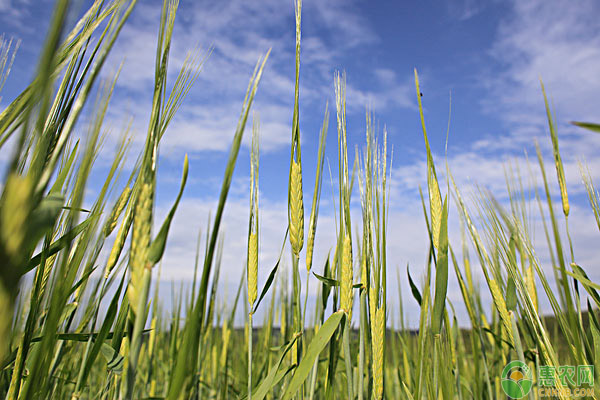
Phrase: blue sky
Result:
[487,55]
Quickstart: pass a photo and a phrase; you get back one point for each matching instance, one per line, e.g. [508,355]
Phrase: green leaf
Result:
[441,273]
[327,281]
[157,248]
[67,312]
[315,347]
[114,361]
[587,125]
[82,280]
[43,218]
[499,341]
[413,288]
[591,287]
[274,375]
[325,289]
[60,243]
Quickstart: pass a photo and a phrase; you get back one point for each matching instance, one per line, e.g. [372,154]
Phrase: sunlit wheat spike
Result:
[562,183]
[502,309]
[310,243]
[296,209]
[530,283]
[593,194]
[117,247]
[378,344]
[112,220]
[560,172]
[346,283]
[435,200]
[140,242]
[252,267]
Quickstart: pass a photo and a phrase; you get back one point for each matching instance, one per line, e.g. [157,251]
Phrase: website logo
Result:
[516,379]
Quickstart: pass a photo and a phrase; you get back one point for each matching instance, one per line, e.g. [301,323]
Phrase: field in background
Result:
[91,327]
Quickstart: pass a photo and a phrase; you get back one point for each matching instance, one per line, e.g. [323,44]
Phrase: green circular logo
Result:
[516,379]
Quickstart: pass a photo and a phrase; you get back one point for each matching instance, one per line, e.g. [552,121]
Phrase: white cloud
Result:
[239,32]
[13,13]
[556,41]
[464,9]
[395,93]
[560,44]
[345,23]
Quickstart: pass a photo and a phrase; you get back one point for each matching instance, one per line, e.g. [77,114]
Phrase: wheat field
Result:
[88,324]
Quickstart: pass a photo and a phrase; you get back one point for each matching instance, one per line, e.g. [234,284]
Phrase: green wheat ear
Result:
[378,335]
[296,209]
[140,242]
[117,210]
